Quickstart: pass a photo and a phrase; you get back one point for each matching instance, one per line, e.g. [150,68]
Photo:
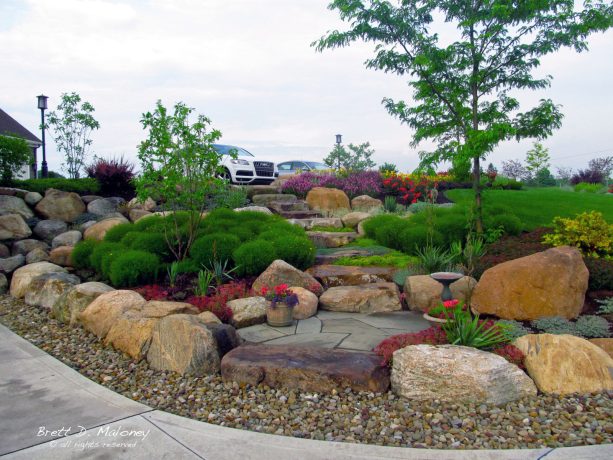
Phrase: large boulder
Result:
[365,203]
[56,204]
[23,276]
[305,368]
[327,199]
[365,298]
[184,344]
[102,207]
[32,198]
[565,364]
[345,275]
[280,272]
[424,293]
[13,227]
[148,205]
[61,256]
[354,218]
[99,229]
[45,289]
[331,239]
[10,264]
[23,247]
[548,283]
[70,238]
[457,374]
[104,311]
[46,230]
[131,332]
[14,205]
[70,304]
[248,311]
[605,344]
[307,303]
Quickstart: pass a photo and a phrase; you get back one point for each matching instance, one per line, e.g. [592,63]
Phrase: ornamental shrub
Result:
[371,224]
[553,325]
[132,268]
[414,238]
[187,266]
[101,249]
[107,259]
[601,274]
[510,223]
[85,186]
[253,257]
[588,188]
[116,233]
[591,326]
[389,234]
[514,329]
[129,237]
[155,243]
[82,252]
[114,175]
[451,227]
[299,252]
[216,247]
[148,222]
[588,231]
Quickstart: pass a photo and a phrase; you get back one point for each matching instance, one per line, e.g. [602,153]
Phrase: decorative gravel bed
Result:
[382,419]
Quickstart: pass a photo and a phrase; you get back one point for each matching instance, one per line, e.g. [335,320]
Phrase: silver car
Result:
[298,166]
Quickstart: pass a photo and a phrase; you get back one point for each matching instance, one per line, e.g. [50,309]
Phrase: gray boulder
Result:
[24,246]
[14,205]
[32,198]
[70,238]
[4,251]
[4,284]
[102,206]
[37,255]
[47,288]
[48,229]
[10,264]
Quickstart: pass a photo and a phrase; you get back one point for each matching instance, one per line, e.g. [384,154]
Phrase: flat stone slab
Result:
[305,368]
[313,339]
[331,239]
[328,257]
[345,275]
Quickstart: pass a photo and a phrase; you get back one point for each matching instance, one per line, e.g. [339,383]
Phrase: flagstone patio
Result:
[348,331]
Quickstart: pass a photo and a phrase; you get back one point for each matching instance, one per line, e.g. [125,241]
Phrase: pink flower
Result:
[450,303]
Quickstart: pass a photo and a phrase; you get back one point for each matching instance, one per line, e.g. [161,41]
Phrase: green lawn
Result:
[536,207]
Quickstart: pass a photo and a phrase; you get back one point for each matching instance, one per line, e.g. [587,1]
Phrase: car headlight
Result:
[239,162]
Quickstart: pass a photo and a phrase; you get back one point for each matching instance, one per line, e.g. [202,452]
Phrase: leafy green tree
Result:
[14,154]
[181,167]
[72,124]
[355,158]
[462,88]
[537,159]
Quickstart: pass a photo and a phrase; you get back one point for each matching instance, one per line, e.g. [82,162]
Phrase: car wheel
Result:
[225,175]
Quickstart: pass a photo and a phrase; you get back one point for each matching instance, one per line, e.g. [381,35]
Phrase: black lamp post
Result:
[42,105]
[339,139]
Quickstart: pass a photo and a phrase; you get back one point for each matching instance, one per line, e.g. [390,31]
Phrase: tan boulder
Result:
[248,311]
[69,305]
[280,272]
[148,205]
[423,293]
[457,374]
[37,255]
[365,298]
[136,214]
[327,199]
[548,283]
[208,317]
[331,239]
[103,313]
[354,218]
[14,205]
[56,204]
[61,256]
[307,303]
[23,276]
[46,289]
[184,344]
[565,364]
[345,275]
[365,203]
[13,227]
[99,229]
[324,222]
[131,332]
[605,344]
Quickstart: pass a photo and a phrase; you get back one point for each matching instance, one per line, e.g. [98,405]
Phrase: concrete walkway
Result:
[349,331]
[50,411]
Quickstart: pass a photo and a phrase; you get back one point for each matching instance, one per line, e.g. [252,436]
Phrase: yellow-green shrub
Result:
[588,231]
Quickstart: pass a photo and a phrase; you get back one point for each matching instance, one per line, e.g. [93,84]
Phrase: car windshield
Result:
[225,150]
[315,165]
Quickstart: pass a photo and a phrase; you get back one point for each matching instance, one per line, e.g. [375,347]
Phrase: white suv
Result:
[246,168]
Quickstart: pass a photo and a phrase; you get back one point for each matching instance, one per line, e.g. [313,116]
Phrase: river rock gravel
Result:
[373,418]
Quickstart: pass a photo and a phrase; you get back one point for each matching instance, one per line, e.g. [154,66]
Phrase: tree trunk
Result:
[477,190]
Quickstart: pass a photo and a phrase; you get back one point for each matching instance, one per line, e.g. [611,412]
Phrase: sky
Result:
[249,67]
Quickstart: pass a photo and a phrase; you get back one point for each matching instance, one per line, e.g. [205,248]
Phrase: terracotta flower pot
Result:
[279,315]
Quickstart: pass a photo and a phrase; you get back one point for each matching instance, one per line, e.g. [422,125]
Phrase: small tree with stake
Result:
[179,165]
[462,88]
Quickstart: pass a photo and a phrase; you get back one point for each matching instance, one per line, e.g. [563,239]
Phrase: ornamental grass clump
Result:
[462,328]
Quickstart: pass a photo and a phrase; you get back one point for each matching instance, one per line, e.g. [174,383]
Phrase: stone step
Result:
[266,198]
[299,214]
[253,190]
[331,239]
[344,275]
[363,298]
[305,368]
[283,206]
[329,257]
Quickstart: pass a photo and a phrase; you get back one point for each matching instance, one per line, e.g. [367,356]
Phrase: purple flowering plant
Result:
[352,183]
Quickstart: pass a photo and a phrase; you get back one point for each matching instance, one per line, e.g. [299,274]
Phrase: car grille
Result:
[264,168]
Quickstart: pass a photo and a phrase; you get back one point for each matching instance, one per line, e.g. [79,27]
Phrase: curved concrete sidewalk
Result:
[50,411]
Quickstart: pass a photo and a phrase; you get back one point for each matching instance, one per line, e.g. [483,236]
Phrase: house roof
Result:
[10,126]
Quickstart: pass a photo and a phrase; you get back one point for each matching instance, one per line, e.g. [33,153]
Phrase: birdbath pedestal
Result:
[446,278]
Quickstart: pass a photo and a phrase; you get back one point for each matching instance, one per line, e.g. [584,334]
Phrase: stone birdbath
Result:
[446,279]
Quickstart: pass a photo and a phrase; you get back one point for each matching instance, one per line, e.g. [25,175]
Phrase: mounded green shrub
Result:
[299,252]
[155,243]
[116,233]
[509,222]
[370,225]
[107,259]
[100,251]
[389,234]
[82,252]
[209,248]
[188,266]
[591,326]
[129,238]
[148,222]
[451,227]
[132,268]
[253,257]
[416,237]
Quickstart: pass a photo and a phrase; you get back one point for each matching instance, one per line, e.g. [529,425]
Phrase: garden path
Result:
[348,331]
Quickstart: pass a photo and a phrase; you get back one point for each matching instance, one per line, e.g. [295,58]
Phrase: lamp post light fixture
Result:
[42,105]
[339,139]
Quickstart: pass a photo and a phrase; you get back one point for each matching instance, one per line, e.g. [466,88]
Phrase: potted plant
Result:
[280,310]
[438,315]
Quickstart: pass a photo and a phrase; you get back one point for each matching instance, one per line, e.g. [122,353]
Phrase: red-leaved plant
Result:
[217,302]
[114,176]
[153,292]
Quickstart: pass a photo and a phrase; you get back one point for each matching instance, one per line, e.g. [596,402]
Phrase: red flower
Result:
[450,303]
[280,289]
[264,290]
